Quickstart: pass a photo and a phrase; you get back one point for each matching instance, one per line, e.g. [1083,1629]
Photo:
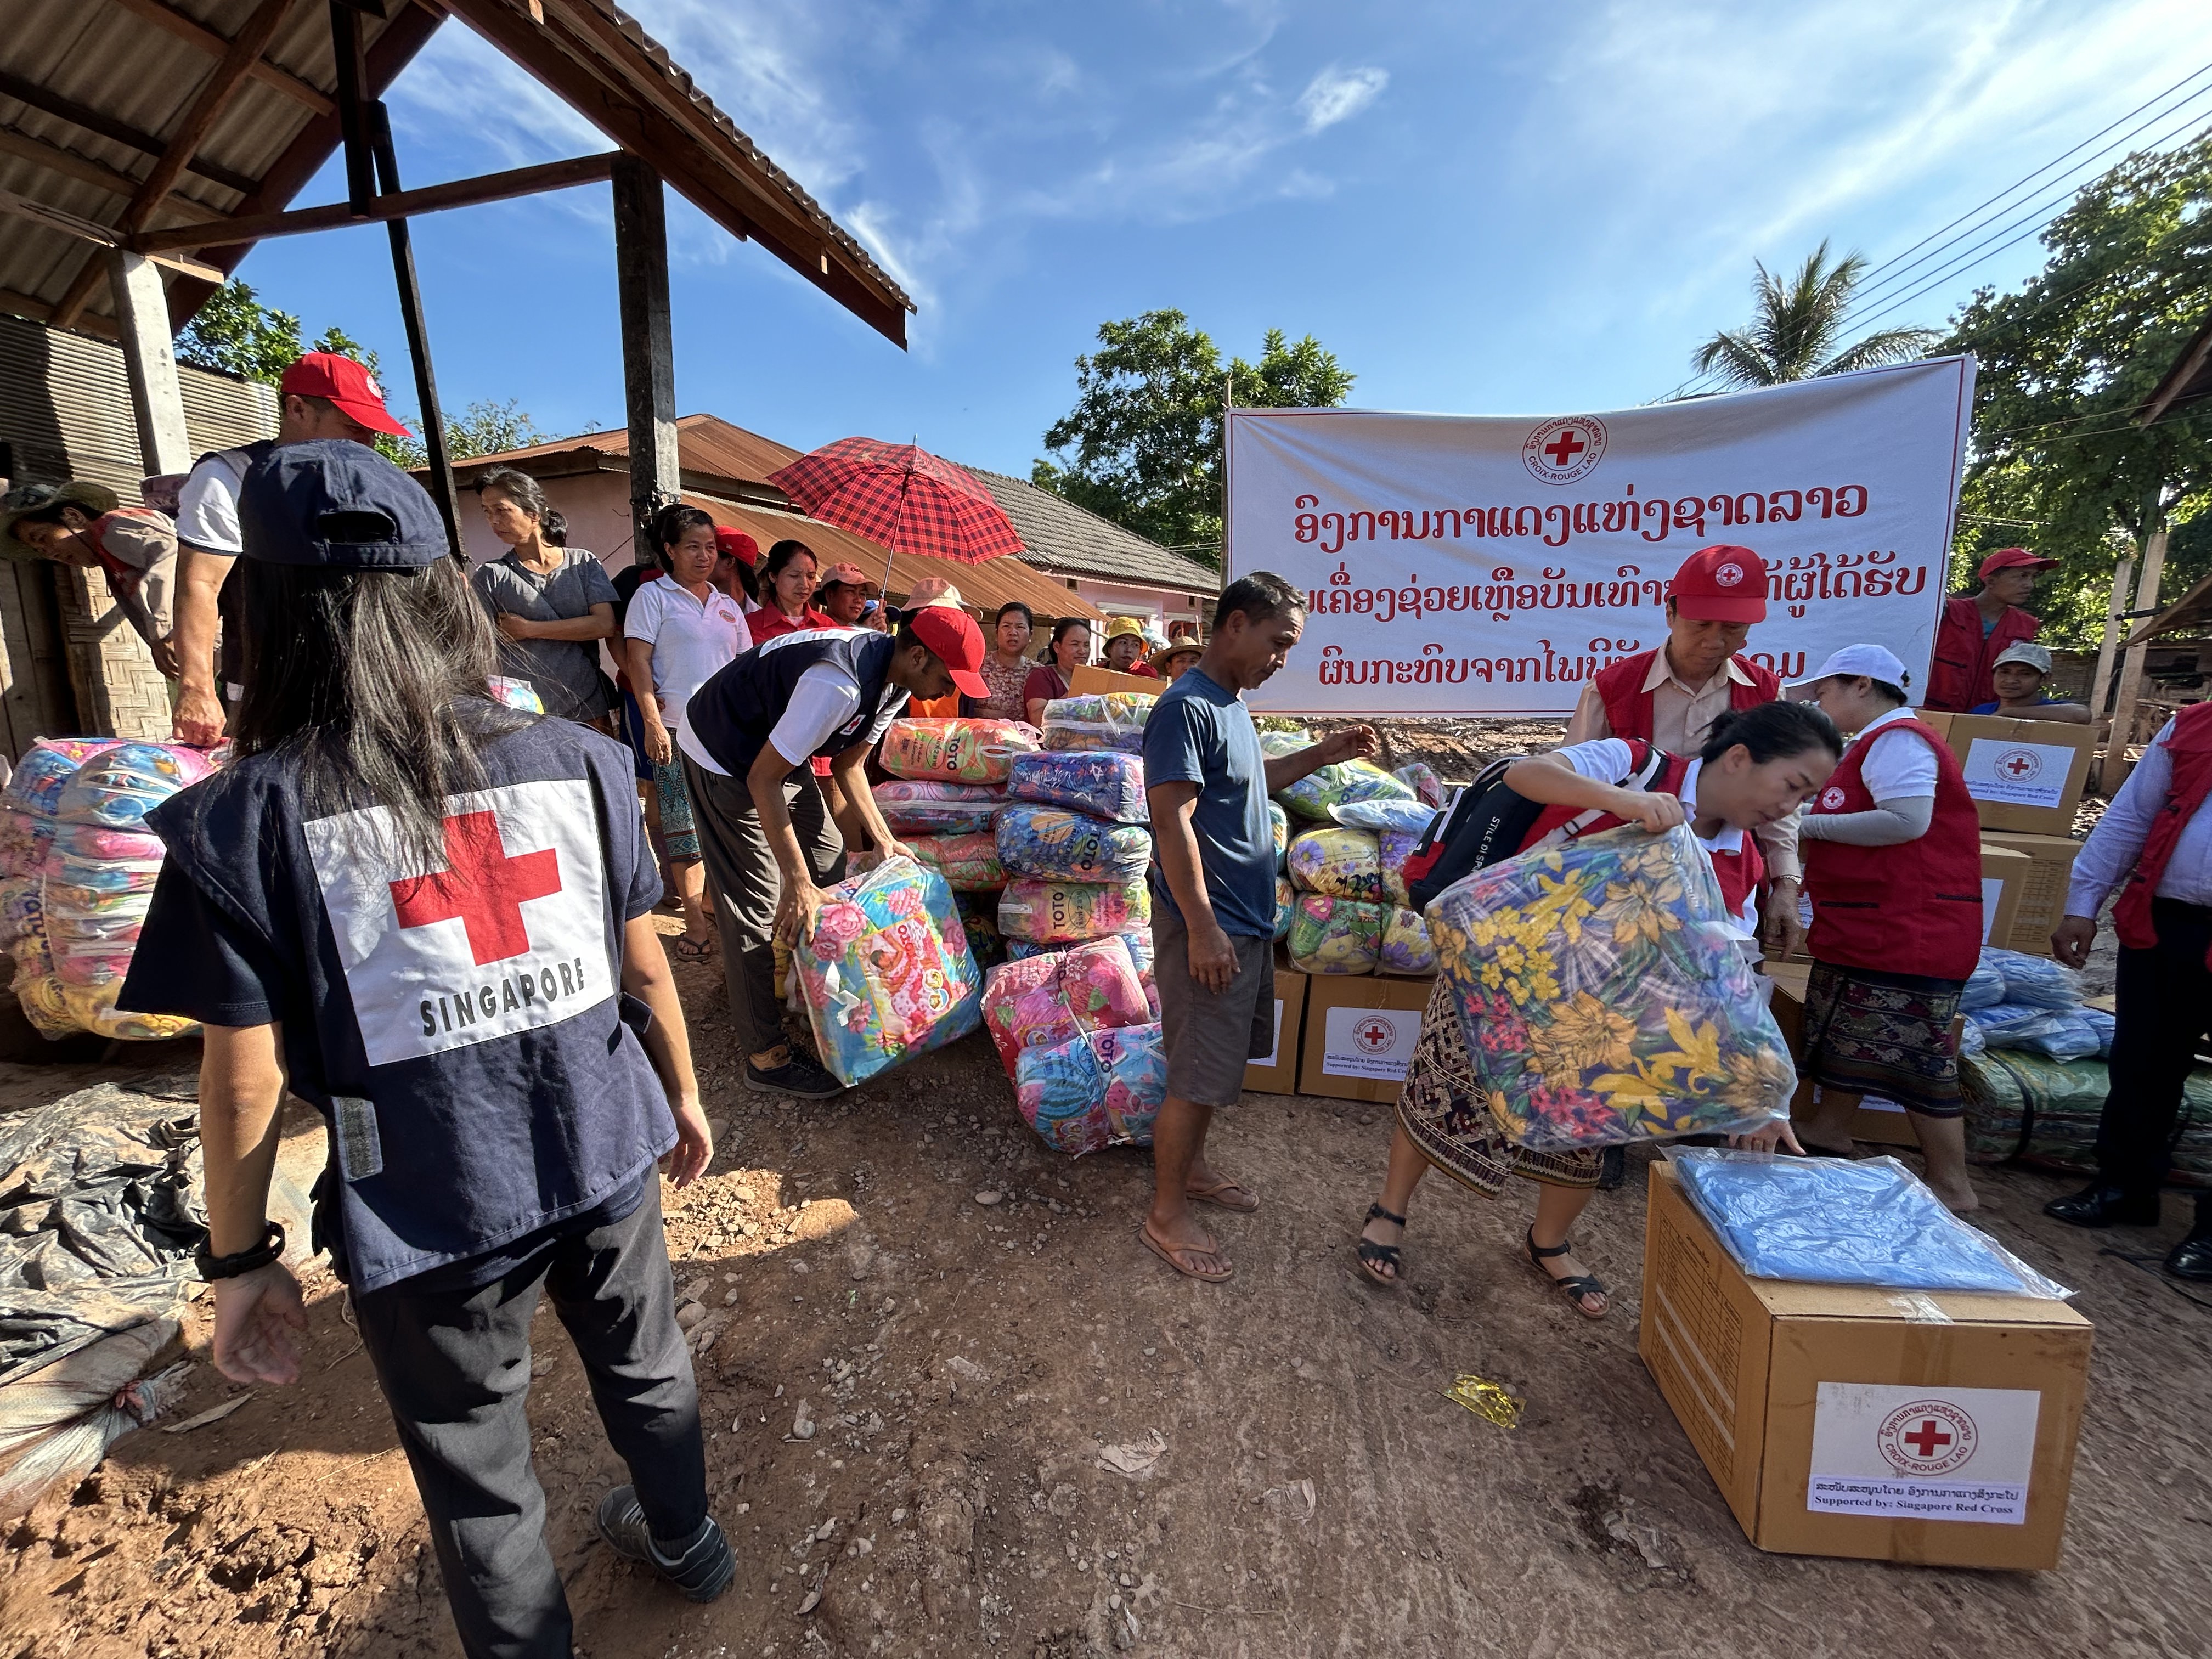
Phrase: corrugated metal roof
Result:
[1063,537]
[124,73]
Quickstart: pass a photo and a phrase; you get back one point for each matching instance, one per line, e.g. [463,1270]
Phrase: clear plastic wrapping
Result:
[1098,720]
[1106,783]
[954,750]
[1071,846]
[885,972]
[1339,863]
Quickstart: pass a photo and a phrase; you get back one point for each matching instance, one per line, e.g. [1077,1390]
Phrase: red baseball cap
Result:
[1721,584]
[2013,558]
[738,546]
[345,383]
[957,642]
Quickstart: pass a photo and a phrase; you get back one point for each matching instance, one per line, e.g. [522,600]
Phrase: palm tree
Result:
[1793,334]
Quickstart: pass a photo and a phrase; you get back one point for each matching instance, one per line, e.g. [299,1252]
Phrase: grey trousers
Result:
[746,885]
[454,1367]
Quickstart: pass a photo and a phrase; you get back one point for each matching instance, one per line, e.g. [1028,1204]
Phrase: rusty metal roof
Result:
[91,91]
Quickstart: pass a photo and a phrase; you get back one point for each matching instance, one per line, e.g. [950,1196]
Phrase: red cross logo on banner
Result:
[482,887]
[1563,450]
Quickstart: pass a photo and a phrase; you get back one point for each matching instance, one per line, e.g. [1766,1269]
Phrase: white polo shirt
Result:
[691,638]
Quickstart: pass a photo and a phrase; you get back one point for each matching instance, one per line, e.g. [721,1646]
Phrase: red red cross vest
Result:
[2189,749]
[1911,908]
[1628,705]
[1739,872]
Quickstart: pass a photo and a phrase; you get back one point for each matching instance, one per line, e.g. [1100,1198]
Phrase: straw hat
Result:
[1168,653]
[95,499]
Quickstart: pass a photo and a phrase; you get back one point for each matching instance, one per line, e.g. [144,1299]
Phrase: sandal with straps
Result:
[1373,1255]
[1574,1289]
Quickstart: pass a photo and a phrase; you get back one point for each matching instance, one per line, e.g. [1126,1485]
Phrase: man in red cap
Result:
[1977,627]
[736,555]
[1671,697]
[322,395]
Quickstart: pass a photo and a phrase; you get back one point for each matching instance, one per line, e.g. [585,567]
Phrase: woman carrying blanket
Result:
[1893,865]
[1756,768]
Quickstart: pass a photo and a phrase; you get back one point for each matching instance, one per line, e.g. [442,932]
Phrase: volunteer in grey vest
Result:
[430,917]
[748,735]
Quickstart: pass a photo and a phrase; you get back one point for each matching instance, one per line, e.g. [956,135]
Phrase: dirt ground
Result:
[970,1325]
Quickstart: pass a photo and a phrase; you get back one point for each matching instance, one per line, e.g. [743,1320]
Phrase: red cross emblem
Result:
[2019,765]
[1927,1437]
[1563,450]
[1375,1035]
[482,887]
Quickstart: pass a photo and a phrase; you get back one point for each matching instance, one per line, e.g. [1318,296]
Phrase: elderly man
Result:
[1977,628]
[1671,697]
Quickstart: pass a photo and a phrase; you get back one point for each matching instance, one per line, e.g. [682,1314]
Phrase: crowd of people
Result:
[414,746]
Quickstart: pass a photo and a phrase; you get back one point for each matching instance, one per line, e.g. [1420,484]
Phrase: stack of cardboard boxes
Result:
[1346,1035]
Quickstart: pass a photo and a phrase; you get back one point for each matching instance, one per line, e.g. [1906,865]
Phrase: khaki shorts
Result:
[1210,1035]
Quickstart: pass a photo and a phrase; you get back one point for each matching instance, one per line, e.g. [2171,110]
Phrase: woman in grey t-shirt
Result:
[551,604]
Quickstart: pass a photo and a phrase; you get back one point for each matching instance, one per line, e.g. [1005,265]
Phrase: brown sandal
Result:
[1170,1253]
[1213,1194]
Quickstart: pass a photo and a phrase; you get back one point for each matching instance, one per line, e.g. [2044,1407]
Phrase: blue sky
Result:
[1480,209]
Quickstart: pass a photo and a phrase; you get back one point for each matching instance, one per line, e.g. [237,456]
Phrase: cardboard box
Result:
[1837,1419]
[1359,1033]
[1278,1074]
[2023,775]
[1087,679]
[1883,1122]
[2043,889]
[2004,880]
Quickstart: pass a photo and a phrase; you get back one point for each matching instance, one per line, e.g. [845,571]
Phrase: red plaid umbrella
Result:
[901,495]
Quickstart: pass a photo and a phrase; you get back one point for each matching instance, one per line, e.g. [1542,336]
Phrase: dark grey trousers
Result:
[455,1370]
[746,886]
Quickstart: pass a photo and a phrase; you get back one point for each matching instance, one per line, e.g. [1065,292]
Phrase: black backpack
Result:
[1486,823]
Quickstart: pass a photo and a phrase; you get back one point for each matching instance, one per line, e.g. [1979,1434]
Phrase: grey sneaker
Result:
[796,1076]
[701,1569]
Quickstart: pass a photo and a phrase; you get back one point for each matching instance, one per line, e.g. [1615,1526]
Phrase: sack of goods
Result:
[1338,863]
[1048,912]
[979,919]
[1317,794]
[1336,935]
[885,971]
[1101,1089]
[1421,778]
[1603,999]
[1280,821]
[1393,848]
[1106,783]
[1043,1001]
[1098,720]
[74,923]
[925,807]
[2014,1000]
[954,750]
[1069,846]
[1406,948]
[1286,907]
[969,863]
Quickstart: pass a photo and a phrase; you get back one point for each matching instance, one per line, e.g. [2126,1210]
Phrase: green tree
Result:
[484,427]
[1142,445]
[234,333]
[2059,460]
[1796,325]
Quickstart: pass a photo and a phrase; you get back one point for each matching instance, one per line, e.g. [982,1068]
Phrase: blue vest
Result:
[733,714]
[461,1026]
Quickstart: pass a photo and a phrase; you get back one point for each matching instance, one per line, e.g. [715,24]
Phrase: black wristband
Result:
[213,1266]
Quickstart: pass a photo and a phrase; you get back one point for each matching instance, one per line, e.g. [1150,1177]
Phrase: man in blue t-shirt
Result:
[1213,899]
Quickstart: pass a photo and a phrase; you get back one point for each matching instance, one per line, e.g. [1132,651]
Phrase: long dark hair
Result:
[1772,731]
[672,524]
[1061,631]
[375,681]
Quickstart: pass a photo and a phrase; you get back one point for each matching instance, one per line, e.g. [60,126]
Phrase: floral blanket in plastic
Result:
[1106,783]
[1341,863]
[1062,912]
[955,751]
[1098,720]
[1602,998]
[1336,935]
[1394,847]
[1314,794]
[1043,1001]
[969,863]
[1052,841]
[1406,948]
[885,972]
[1096,1091]
[926,807]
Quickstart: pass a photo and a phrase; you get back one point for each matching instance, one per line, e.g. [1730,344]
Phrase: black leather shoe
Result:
[2191,1258]
[2105,1206]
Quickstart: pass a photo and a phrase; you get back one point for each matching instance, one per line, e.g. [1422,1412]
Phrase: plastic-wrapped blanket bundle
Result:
[1833,1221]
[1096,1090]
[955,751]
[969,863]
[2034,981]
[1051,912]
[1098,720]
[1421,778]
[1069,846]
[1286,907]
[117,786]
[1394,847]
[1603,998]
[1106,783]
[1404,816]
[979,920]
[1406,948]
[1316,793]
[1336,935]
[886,972]
[1280,821]
[927,807]
[2054,1033]
[1044,1000]
[1338,864]
[1140,941]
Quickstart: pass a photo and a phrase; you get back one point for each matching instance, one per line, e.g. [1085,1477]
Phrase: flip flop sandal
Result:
[1373,1255]
[694,949]
[1574,1289]
[1213,1195]
[1169,1254]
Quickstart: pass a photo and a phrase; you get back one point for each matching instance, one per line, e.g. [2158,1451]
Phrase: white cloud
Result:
[1337,95]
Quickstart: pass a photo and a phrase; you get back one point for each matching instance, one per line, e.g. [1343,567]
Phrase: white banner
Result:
[1490,564]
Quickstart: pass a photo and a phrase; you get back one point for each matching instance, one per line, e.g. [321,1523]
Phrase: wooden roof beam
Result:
[106,126]
[190,30]
[85,230]
[215,95]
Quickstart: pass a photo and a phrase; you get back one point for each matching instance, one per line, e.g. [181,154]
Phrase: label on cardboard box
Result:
[1922,1454]
[1369,1042]
[2018,774]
